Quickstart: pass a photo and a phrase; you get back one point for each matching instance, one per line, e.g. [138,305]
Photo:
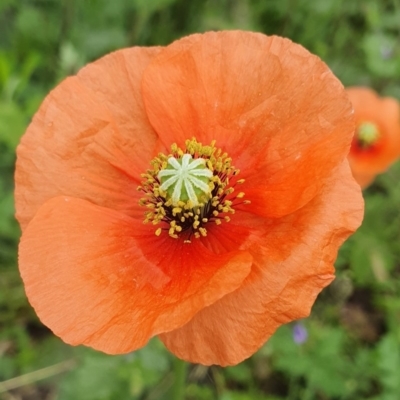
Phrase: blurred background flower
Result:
[353,348]
[376,143]
[300,333]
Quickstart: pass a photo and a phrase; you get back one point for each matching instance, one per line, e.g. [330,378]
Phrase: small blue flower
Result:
[300,333]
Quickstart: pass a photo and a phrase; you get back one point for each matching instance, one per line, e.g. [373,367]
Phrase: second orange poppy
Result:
[376,143]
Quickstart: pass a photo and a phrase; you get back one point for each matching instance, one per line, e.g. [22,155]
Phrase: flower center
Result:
[186,179]
[188,189]
[367,135]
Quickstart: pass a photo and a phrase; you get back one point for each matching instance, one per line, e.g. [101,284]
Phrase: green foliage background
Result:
[353,346]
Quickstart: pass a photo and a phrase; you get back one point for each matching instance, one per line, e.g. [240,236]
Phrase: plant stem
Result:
[178,387]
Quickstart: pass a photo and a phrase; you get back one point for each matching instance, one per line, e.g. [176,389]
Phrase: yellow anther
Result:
[203,232]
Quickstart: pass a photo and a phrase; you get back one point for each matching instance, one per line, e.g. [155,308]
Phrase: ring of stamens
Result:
[189,189]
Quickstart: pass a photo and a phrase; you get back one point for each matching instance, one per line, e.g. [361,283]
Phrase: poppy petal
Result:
[277,110]
[363,180]
[89,139]
[93,280]
[292,265]
[116,81]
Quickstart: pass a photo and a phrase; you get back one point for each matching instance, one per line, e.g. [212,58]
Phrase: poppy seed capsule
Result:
[185,179]
[367,134]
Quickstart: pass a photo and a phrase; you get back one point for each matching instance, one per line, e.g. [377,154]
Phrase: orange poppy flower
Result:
[376,142]
[237,142]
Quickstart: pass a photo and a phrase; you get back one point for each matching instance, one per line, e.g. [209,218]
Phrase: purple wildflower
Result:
[300,333]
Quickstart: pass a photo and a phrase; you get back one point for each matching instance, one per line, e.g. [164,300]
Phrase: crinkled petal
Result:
[277,110]
[292,263]
[89,139]
[96,278]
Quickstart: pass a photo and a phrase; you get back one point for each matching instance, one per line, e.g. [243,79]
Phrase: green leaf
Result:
[388,351]
[382,54]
